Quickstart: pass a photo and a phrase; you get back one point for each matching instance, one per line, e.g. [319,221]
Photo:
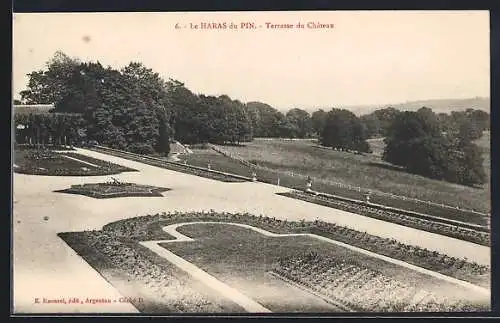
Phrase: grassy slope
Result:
[327,167]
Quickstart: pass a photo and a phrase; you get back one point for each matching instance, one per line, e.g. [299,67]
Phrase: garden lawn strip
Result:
[179,167]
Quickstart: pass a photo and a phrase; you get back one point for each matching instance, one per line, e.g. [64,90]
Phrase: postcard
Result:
[227,163]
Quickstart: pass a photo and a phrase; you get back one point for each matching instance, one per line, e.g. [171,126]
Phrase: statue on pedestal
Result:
[367,196]
[308,184]
[254,176]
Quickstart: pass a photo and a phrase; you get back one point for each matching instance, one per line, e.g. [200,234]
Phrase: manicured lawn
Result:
[243,258]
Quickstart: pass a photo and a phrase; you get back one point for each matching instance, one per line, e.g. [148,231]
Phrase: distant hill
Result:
[438,106]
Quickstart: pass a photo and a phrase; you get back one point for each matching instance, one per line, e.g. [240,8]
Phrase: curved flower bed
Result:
[166,291]
[362,289]
[149,228]
[115,189]
[455,231]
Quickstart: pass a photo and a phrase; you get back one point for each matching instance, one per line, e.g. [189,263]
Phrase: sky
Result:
[368,57]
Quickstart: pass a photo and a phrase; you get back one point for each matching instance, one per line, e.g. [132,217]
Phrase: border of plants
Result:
[459,230]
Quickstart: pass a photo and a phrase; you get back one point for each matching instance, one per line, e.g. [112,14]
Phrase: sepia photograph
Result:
[229,163]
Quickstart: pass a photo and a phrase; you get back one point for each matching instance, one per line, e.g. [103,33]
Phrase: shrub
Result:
[141,148]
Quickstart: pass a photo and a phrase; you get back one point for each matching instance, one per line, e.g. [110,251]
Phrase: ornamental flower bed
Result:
[455,231]
[149,228]
[362,289]
[115,189]
[114,251]
[51,163]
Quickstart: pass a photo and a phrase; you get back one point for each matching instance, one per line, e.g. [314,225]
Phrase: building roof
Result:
[33,108]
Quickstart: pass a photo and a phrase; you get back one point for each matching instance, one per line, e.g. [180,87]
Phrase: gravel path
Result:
[81,161]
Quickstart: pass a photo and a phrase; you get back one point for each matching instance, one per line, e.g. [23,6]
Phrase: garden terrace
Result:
[115,189]
[229,253]
[463,231]
[50,163]
[179,167]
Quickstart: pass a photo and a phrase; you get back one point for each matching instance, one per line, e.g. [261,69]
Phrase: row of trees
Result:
[434,145]
[377,123]
[135,109]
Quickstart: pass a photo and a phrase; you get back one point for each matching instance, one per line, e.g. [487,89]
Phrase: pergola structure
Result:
[38,124]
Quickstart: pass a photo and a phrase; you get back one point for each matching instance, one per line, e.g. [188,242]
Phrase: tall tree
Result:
[416,142]
[301,121]
[50,85]
[318,120]
[343,130]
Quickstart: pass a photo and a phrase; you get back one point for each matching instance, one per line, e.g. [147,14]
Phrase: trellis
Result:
[46,128]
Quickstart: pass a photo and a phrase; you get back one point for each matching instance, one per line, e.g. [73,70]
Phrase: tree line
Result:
[133,108]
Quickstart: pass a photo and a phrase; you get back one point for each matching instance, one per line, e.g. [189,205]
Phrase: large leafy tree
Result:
[269,122]
[344,130]
[415,141]
[48,86]
[300,121]
[318,120]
